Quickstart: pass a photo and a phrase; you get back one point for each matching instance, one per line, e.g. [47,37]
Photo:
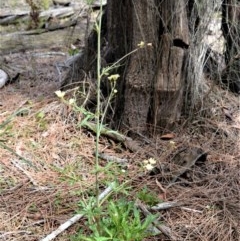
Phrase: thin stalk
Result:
[99,26]
[106,107]
[116,64]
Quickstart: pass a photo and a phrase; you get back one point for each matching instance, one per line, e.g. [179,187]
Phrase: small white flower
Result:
[152,161]
[60,94]
[113,77]
[141,44]
[145,161]
[71,101]
[149,167]
[172,143]
[73,47]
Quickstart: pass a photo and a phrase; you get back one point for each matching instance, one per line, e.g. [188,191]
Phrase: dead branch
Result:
[109,158]
[116,136]
[16,164]
[6,18]
[163,228]
[165,205]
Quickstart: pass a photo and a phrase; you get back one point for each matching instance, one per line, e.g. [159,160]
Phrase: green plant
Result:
[73,51]
[6,126]
[101,72]
[119,221]
[148,197]
[40,118]
[33,207]
[70,173]
[45,4]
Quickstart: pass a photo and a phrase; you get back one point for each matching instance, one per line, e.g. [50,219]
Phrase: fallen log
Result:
[7,18]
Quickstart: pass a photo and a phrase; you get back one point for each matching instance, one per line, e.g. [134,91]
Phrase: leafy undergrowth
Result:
[47,174]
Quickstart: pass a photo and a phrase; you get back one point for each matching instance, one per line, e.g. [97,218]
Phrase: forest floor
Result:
[47,162]
[41,191]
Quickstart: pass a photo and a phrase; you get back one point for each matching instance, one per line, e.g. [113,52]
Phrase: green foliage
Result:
[73,51]
[58,201]
[120,221]
[148,197]
[40,115]
[89,2]
[45,4]
[42,123]
[33,208]
[6,127]
[7,131]
[6,183]
[70,173]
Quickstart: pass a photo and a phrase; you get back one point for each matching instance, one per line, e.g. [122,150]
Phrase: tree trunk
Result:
[155,78]
[173,43]
[151,87]
[140,69]
[231,33]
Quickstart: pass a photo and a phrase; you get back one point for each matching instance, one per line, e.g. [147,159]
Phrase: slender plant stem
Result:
[106,107]
[98,114]
[124,57]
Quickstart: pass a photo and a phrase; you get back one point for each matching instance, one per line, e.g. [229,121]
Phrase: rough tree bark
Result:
[231,33]
[153,82]
[151,85]
[172,47]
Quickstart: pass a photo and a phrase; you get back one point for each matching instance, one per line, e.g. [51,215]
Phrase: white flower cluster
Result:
[149,164]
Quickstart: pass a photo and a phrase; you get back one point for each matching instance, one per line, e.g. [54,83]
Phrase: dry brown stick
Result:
[165,205]
[4,235]
[109,158]
[13,189]
[127,141]
[16,164]
[163,228]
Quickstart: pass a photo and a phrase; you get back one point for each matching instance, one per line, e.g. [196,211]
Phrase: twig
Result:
[191,210]
[163,228]
[25,172]
[162,189]
[128,142]
[75,218]
[109,158]
[12,189]
[35,223]
[48,54]
[14,232]
[165,205]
